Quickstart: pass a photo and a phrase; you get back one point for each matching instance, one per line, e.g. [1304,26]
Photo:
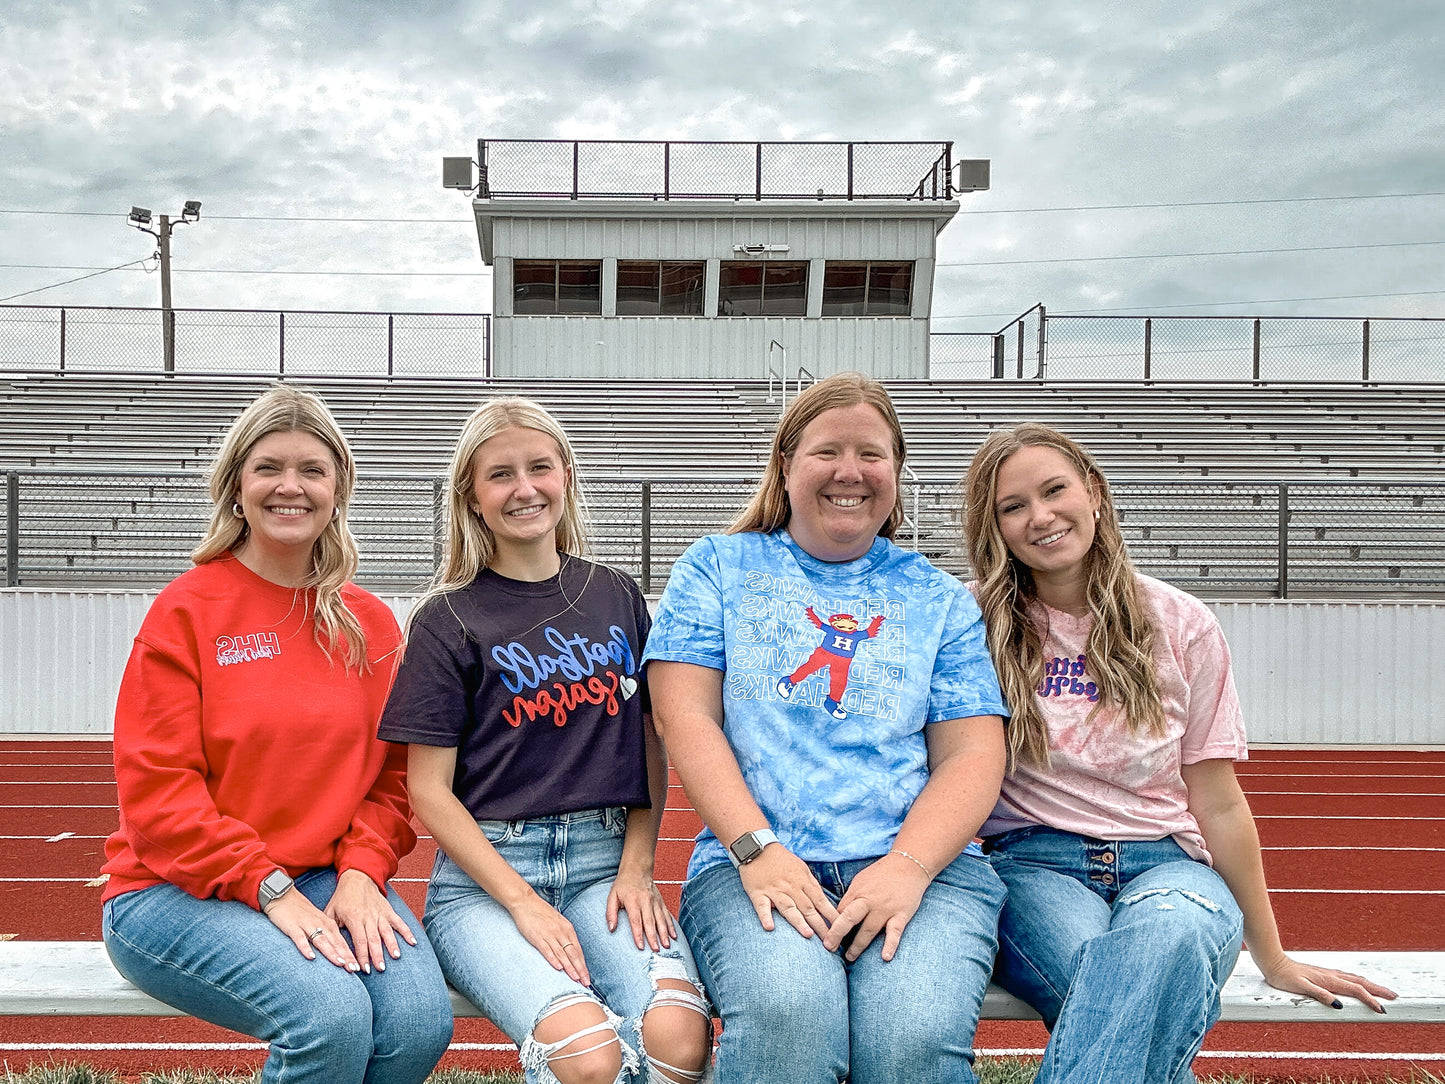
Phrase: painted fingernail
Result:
[1337,1004]
[366,969]
[1381,1010]
[381,965]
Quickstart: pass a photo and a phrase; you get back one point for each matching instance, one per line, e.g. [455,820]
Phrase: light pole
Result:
[140,218]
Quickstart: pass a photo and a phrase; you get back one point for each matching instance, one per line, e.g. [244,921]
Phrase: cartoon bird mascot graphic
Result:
[841,637]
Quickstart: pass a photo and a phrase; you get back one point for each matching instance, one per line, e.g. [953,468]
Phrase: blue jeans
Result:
[1122,947]
[224,962]
[793,1011]
[570,860]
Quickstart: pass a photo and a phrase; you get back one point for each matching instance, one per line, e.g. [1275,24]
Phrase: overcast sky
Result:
[313,135]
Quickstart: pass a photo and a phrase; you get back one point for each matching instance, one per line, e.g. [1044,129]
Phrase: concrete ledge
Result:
[75,978]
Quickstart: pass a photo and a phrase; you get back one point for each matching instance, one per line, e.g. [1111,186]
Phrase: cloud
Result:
[270,112]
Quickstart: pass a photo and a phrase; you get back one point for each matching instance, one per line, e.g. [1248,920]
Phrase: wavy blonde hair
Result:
[286,409]
[469,544]
[1121,641]
[769,508]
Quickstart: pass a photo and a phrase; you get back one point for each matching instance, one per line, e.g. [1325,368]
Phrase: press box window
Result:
[867,289]
[658,288]
[557,287]
[764,288]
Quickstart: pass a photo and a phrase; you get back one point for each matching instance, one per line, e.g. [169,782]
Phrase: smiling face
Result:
[287,493]
[1045,513]
[519,484]
[842,482]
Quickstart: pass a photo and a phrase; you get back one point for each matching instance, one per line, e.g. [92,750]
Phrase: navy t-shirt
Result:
[539,686]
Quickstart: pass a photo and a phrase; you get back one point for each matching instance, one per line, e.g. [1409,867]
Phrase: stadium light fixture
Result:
[140,218]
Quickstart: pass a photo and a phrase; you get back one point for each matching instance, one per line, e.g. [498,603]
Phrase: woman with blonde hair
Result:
[829,702]
[260,818]
[535,766]
[1126,844]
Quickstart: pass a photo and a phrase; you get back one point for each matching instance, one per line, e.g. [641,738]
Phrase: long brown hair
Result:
[287,409]
[1120,644]
[769,508]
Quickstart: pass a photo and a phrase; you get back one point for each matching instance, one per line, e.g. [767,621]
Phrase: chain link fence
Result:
[585,169]
[1033,346]
[1229,348]
[245,341]
[1216,539]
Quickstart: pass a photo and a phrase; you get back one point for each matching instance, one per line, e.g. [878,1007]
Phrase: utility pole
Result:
[140,218]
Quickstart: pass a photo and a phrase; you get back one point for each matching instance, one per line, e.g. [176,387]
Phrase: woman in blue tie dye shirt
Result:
[829,703]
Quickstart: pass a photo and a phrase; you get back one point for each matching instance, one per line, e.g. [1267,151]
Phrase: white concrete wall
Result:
[1308,672]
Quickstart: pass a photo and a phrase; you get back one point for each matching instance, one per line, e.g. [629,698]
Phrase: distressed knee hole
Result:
[581,1050]
[682,1030]
[1168,905]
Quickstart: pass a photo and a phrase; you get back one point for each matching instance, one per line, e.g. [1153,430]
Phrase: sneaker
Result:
[785,689]
[835,709]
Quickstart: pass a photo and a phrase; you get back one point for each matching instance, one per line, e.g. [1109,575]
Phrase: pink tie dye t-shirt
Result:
[1104,782]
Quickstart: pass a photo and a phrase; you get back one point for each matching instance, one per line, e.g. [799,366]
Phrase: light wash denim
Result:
[1122,947]
[224,962]
[571,861]
[794,1012]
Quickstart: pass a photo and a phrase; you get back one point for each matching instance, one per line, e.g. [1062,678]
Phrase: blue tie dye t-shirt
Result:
[831,673]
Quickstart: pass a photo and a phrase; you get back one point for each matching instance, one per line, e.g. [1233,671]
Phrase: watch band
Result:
[749,845]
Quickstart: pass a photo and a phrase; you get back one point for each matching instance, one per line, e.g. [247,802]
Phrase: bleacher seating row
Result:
[1218,451]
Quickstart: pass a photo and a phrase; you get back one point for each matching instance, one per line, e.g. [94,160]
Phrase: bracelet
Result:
[915,861]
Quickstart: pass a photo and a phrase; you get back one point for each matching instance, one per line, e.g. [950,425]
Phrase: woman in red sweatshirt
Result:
[260,818]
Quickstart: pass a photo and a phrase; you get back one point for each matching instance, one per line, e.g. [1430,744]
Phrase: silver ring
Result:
[314,934]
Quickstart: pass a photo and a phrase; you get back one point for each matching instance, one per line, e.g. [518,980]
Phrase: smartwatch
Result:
[273,886]
[749,845]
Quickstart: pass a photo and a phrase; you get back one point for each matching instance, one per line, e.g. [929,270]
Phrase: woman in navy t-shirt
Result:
[534,764]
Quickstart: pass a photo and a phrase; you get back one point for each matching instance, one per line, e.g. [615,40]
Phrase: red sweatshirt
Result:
[241,745]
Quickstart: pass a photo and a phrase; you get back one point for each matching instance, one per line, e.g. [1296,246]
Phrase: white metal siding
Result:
[687,347]
[1339,672]
[576,238]
[1308,672]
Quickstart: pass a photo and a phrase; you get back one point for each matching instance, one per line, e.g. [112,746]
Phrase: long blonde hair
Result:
[470,545]
[286,409]
[769,508]
[1121,642]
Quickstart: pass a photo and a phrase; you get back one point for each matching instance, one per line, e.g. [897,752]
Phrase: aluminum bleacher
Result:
[1225,488]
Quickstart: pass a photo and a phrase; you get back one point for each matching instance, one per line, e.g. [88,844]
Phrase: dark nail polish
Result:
[1337,1004]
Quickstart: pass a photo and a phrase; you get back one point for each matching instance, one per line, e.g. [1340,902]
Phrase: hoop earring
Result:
[236,510]
[335,511]
[1096,514]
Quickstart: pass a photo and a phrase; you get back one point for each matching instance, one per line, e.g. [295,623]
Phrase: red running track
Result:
[1354,850]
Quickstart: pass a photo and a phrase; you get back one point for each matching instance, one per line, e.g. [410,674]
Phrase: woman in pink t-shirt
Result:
[1127,846]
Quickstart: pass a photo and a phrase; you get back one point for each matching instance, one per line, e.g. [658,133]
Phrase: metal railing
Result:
[245,341]
[1036,345]
[1043,346]
[657,170]
[1215,538]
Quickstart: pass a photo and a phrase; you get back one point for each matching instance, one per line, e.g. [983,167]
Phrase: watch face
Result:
[746,848]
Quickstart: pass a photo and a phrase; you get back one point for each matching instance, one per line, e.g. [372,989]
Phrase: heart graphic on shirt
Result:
[629,686]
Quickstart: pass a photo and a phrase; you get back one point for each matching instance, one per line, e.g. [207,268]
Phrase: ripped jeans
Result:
[571,860]
[1122,947]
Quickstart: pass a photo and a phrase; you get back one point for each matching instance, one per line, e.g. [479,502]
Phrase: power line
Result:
[67,282]
[1182,255]
[987,211]
[243,271]
[1151,309]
